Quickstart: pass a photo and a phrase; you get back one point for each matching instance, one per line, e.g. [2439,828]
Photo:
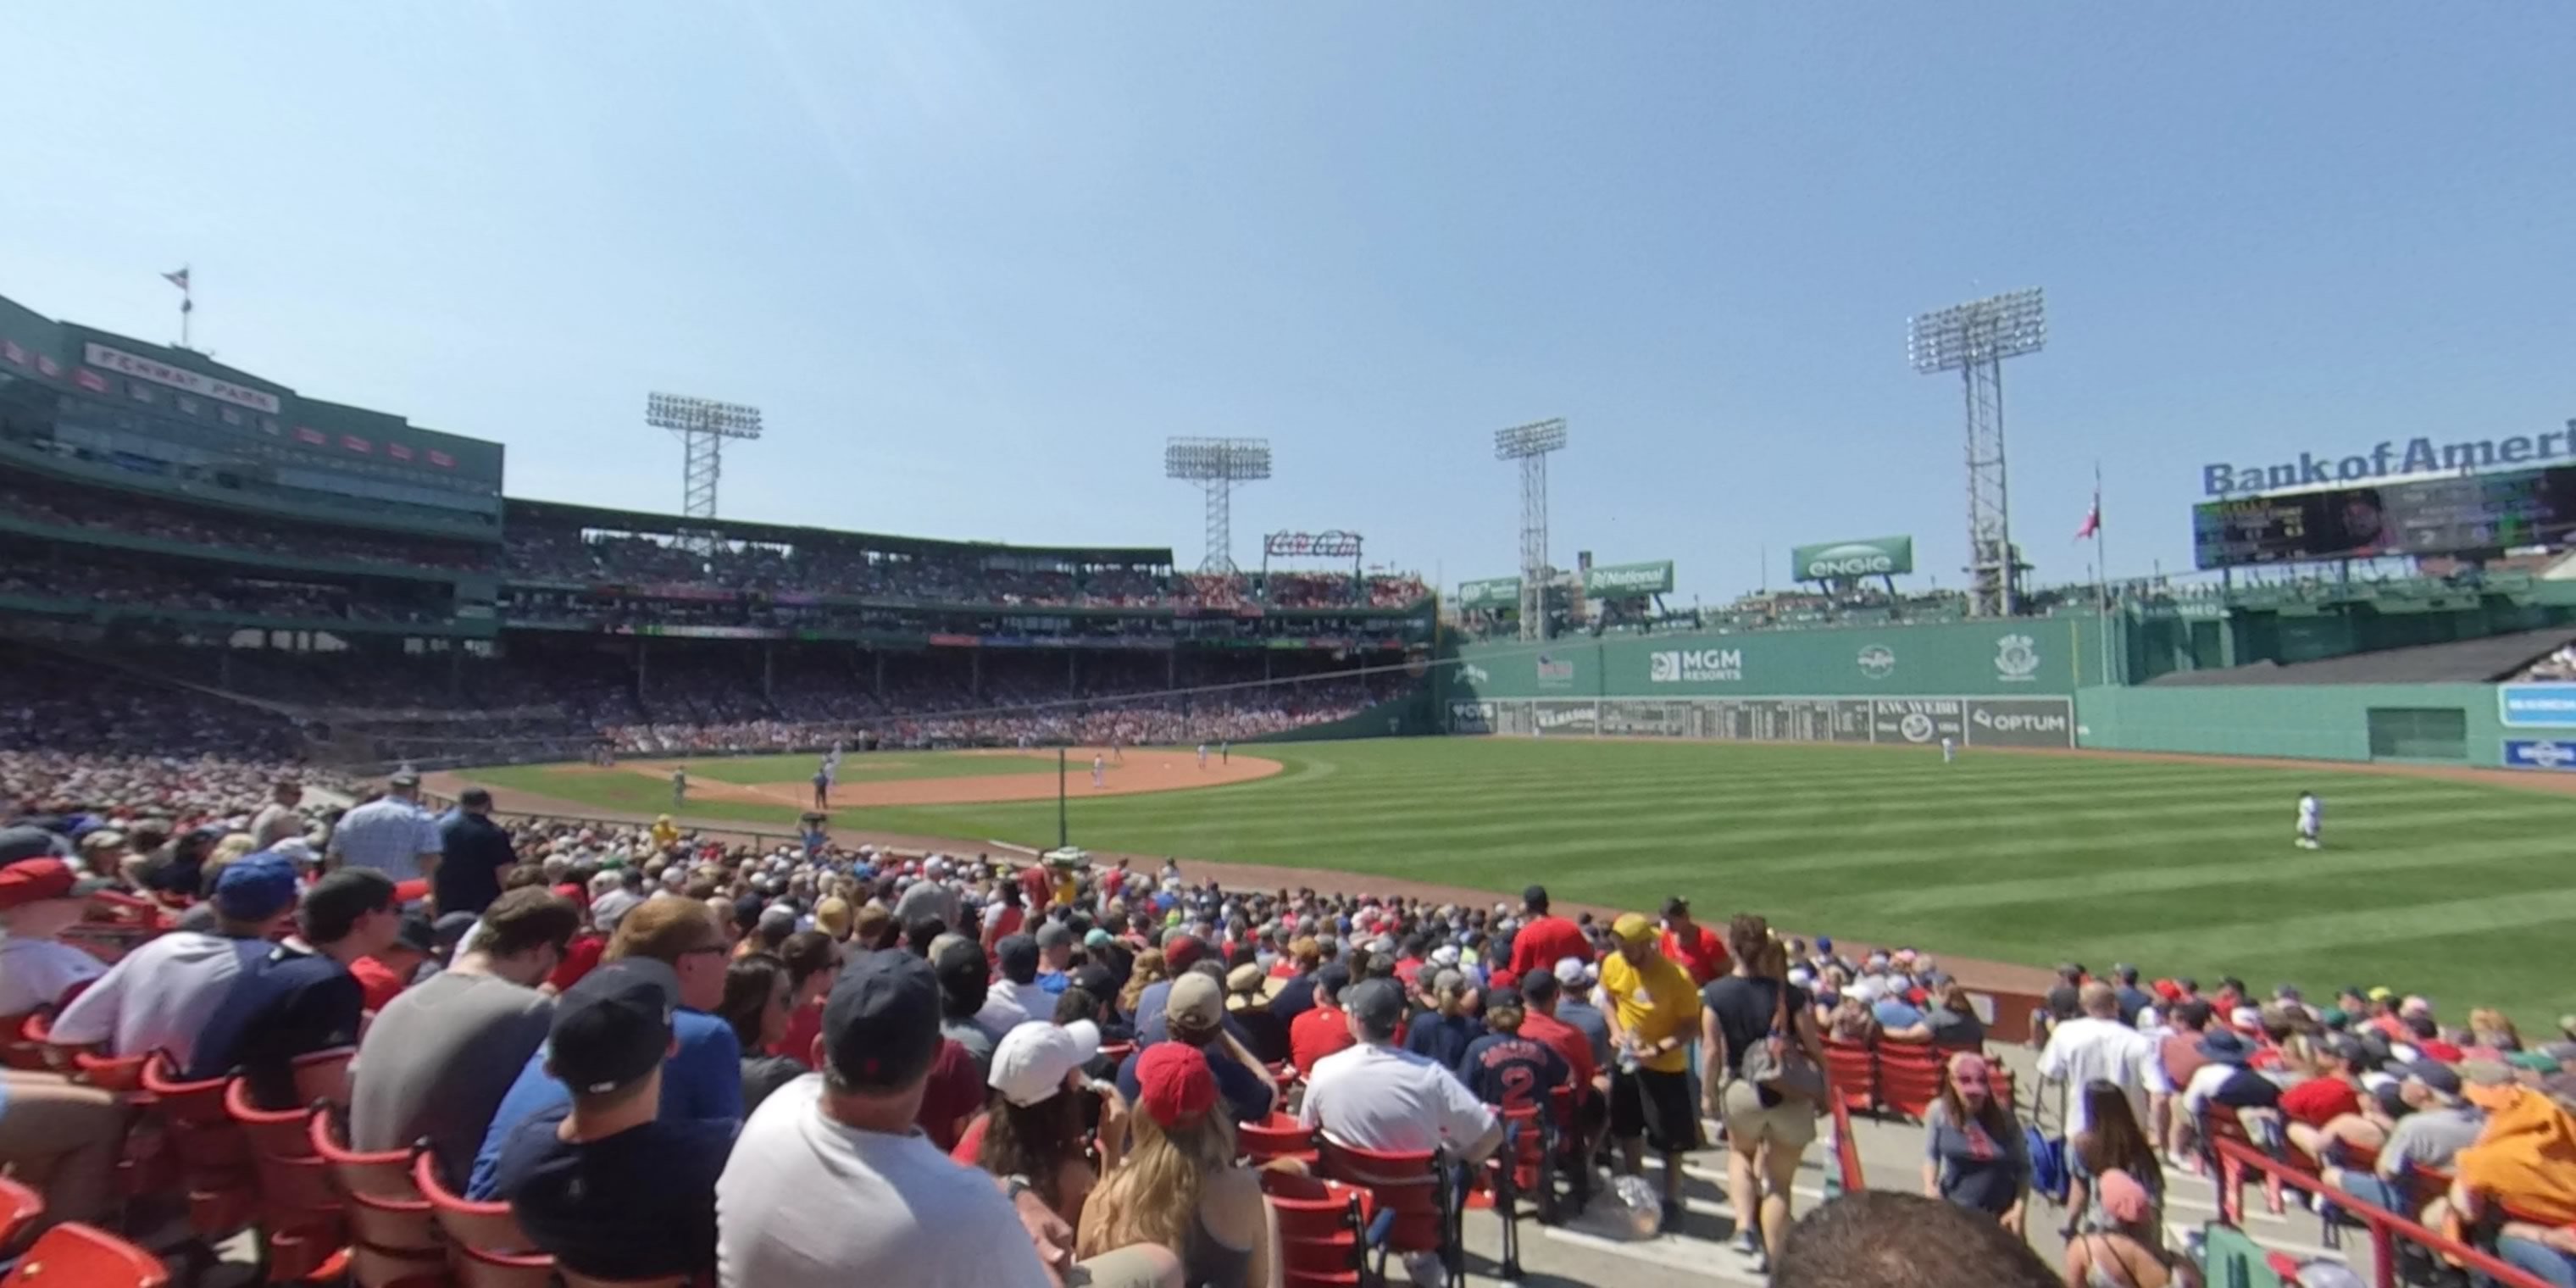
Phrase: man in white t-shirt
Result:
[2097,1045]
[160,996]
[832,1184]
[39,899]
[1377,1097]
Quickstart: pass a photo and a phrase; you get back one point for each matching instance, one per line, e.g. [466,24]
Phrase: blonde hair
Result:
[1153,1197]
[1148,969]
[233,846]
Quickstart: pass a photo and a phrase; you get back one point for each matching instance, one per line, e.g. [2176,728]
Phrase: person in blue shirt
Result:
[606,1184]
[1443,1033]
[702,1079]
[300,998]
[1195,1015]
[1506,1070]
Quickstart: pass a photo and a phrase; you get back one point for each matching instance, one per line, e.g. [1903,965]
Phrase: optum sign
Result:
[1874,557]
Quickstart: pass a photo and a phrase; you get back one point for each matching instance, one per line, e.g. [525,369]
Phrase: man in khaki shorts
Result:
[1767,1132]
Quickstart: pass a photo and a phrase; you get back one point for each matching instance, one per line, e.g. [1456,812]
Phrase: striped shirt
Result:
[388,834]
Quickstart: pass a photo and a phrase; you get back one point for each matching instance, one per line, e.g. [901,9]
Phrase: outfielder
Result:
[1949,751]
[2311,822]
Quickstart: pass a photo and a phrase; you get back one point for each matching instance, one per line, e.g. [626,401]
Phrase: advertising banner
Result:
[1569,717]
[1619,581]
[2537,706]
[1917,720]
[2021,722]
[1312,545]
[1492,592]
[1471,717]
[1870,558]
[2539,753]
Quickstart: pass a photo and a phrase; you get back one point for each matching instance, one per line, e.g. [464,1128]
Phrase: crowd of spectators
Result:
[816,1063]
[133,514]
[93,579]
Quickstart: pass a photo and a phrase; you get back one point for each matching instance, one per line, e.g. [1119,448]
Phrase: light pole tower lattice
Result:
[1973,339]
[702,425]
[1530,445]
[1216,465]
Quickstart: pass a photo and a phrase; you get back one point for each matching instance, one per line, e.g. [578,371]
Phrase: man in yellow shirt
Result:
[665,834]
[1654,1010]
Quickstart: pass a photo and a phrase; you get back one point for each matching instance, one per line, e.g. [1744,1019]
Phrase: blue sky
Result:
[977,261]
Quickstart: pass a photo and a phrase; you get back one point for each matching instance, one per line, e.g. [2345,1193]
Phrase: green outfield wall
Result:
[1405,717]
[2454,724]
[2012,658]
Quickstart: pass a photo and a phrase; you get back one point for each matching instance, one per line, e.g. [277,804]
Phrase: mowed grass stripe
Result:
[2181,867]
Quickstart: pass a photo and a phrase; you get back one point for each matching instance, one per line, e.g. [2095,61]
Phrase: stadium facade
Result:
[197,525]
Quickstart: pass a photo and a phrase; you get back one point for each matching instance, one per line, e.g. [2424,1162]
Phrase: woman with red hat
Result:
[1179,1187]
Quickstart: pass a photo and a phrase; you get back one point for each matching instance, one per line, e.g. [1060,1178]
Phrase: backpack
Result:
[2048,1172]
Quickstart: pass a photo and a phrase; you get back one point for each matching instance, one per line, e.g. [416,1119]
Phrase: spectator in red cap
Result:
[1180,1188]
[39,899]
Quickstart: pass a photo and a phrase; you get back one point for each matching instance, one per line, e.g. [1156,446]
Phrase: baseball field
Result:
[2463,890]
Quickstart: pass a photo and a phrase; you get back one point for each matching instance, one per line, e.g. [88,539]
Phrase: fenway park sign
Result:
[1312,545]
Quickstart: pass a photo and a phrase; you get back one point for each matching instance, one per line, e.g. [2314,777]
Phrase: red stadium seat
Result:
[1322,1230]
[300,1213]
[1277,1137]
[1910,1075]
[478,1268]
[1525,1165]
[20,1051]
[19,1209]
[394,1232]
[469,1225]
[1851,1069]
[1412,1195]
[576,1279]
[212,1152]
[72,1255]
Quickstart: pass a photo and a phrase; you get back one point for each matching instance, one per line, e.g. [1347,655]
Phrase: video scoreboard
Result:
[2466,515]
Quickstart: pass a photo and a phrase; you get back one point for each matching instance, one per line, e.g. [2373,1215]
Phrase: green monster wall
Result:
[2420,723]
[2023,656]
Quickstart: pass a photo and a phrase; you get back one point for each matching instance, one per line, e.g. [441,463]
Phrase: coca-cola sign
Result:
[1312,545]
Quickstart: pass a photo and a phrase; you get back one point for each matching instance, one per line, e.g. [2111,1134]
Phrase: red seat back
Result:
[479,1268]
[1852,1071]
[1910,1075]
[213,1152]
[324,1075]
[20,1051]
[484,1227]
[19,1208]
[1407,1185]
[72,1255]
[1275,1137]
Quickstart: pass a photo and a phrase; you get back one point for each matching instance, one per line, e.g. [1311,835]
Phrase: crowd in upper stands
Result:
[536,549]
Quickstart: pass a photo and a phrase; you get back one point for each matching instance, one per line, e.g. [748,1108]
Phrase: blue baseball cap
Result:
[256,887]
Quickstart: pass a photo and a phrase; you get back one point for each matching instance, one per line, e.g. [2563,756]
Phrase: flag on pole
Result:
[2092,525]
[178,279]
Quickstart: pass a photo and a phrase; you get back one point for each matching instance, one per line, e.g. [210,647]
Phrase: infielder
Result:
[822,789]
[1202,756]
[679,785]
[1225,752]
[2311,822]
[1099,767]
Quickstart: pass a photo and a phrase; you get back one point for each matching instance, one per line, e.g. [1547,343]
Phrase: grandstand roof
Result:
[521,510]
[2480,661]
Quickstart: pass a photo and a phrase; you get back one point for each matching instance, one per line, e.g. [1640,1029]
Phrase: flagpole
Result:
[2102,558]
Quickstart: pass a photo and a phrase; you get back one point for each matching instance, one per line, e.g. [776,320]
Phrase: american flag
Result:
[308,434]
[356,444]
[178,279]
[10,350]
[90,380]
[441,459]
[398,451]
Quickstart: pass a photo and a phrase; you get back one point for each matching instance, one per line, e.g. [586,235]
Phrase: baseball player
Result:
[1118,750]
[1225,752]
[1099,767]
[1202,755]
[679,785]
[2311,822]
[1949,750]
[823,788]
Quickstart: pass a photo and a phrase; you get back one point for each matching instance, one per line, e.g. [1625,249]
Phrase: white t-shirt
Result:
[806,1202]
[37,972]
[2085,1048]
[1380,1098]
[159,996]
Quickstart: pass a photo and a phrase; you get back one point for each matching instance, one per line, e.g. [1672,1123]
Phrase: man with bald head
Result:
[2095,1044]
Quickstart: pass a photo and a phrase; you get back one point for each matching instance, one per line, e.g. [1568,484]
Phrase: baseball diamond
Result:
[2458,885]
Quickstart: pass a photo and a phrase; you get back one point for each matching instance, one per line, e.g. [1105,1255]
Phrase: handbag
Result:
[1777,1063]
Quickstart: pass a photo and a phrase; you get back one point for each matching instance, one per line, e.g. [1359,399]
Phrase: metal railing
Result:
[2386,1228]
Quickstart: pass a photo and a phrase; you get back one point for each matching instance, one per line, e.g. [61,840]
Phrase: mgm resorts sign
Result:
[1694,665]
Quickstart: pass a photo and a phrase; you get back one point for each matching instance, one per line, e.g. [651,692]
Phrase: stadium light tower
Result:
[1216,465]
[1530,444]
[1973,339]
[703,425]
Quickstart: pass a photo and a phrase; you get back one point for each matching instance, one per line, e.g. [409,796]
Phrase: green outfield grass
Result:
[2462,891]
